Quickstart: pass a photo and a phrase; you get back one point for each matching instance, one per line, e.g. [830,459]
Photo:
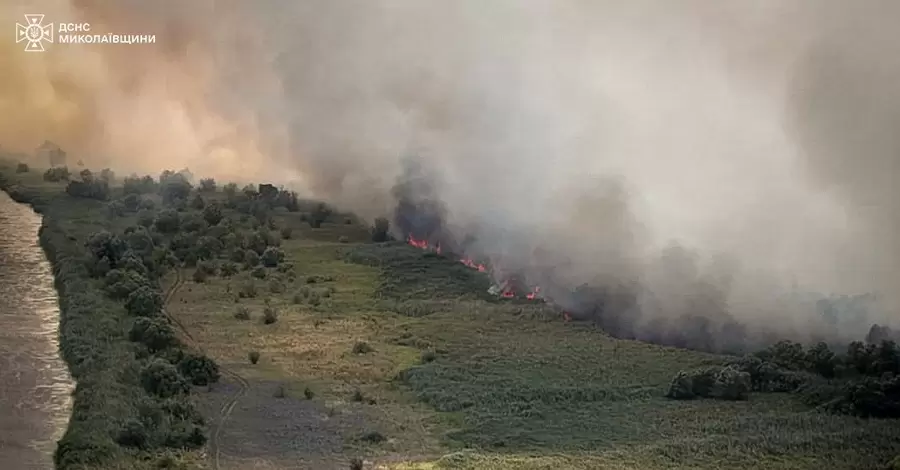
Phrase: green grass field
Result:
[408,345]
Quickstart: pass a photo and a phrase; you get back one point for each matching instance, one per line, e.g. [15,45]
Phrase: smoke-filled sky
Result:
[766,133]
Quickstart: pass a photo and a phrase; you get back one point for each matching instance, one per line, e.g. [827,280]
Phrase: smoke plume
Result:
[724,157]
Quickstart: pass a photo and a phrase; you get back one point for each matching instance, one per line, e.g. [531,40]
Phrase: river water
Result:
[35,385]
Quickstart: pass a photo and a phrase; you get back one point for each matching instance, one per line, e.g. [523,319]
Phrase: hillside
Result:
[332,348]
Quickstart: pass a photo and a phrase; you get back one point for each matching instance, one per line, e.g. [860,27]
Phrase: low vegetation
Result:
[395,354]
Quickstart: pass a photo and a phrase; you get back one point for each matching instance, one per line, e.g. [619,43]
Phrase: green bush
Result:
[251,259]
[247,290]
[207,185]
[271,257]
[162,379]
[692,384]
[167,221]
[731,384]
[259,272]
[144,302]
[229,269]
[253,356]
[155,333]
[242,313]
[270,315]
[199,369]
[286,233]
[199,275]
[212,213]
[361,347]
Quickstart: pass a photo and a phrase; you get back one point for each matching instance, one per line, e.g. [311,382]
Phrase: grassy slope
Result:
[514,385]
[94,346]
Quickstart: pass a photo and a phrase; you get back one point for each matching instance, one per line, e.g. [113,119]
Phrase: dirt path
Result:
[228,407]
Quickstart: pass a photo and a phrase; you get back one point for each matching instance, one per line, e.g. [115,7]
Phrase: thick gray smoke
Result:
[724,156]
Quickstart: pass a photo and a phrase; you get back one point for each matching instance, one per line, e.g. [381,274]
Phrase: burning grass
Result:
[408,272]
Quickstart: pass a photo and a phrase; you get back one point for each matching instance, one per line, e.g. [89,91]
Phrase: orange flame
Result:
[417,243]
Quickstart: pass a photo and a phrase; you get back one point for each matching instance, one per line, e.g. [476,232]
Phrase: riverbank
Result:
[93,334]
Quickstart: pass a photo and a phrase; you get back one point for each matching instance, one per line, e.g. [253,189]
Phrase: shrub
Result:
[212,213]
[248,290]
[229,269]
[155,333]
[57,174]
[286,233]
[271,257]
[361,347]
[131,202]
[251,259]
[308,393]
[731,384]
[22,168]
[90,189]
[373,437]
[120,283]
[161,378]
[270,315]
[821,360]
[173,187]
[194,222]
[145,218]
[428,356]
[133,434]
[242,313]
[259,272]
[147,204]
[207,185]
[787,354]
[237,255]
[138,185]
[168,221]
[199,275]
[319,215]
[199,369]
[253,356]
[104,244]
[356,464]
[144,302]
[691,384]
[870,397]
[381,230]
[297,299]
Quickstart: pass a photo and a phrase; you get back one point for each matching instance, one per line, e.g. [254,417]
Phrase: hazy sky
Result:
[766,130]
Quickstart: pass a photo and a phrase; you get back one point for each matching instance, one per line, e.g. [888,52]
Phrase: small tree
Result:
[381,230]
[161,378]
[208,185]
[319,215]
[168,221]
[155,333]
[271,257]
[144,302]
[199,369]
[212,213]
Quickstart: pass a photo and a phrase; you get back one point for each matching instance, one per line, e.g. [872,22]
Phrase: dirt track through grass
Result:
[228,407]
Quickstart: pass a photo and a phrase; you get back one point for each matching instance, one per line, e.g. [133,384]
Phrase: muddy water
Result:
[35,386]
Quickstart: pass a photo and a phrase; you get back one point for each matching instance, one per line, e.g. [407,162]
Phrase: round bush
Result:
[144,302]
[199,369]
[162,379]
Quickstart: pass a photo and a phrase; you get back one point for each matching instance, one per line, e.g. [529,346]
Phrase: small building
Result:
[54,155]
